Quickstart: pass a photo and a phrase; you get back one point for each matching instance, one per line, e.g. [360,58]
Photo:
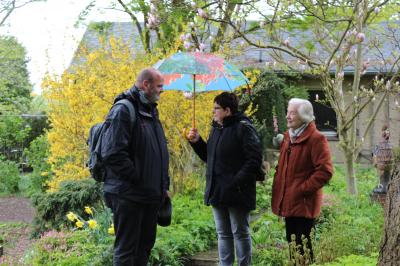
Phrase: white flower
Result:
[376,10]
[187,94]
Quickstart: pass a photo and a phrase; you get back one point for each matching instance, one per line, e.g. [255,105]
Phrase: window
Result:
[325,116]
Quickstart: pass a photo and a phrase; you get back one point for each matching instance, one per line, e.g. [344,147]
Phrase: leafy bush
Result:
[52,207]
[353,223]
[270,95]
[36,156]
[269,241]
[67,248]
[13,132]
[9,177]
[192,230]
[355,260]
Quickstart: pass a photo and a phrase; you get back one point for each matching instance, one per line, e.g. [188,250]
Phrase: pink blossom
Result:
[286,42]
[360,37]
[376,10]
[202,46]
[202,13]
[187,45]
[193,4]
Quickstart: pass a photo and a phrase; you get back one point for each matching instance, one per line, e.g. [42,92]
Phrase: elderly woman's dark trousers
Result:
[135,230]
[300,227]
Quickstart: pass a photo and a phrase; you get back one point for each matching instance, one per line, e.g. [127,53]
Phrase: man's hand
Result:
[193,136]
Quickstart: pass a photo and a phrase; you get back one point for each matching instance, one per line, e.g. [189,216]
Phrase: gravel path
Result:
[16,215]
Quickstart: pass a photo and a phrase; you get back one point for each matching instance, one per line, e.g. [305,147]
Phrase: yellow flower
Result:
[88,210]
[92,224]
[111,230]
[44,173]
[79,224]
[71,216]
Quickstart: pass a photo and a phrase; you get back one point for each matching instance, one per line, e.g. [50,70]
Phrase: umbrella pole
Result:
[194,101]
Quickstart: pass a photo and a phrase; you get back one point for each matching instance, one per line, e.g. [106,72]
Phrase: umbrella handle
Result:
[194,102]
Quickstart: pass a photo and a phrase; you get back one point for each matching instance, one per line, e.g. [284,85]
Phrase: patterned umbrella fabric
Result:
[199,72]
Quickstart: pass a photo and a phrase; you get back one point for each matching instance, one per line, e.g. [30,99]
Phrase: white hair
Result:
[304,109]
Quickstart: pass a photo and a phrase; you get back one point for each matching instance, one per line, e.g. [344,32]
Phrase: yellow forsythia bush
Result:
[83,95]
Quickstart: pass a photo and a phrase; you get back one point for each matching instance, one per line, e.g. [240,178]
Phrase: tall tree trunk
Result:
[350,173]
[389,254]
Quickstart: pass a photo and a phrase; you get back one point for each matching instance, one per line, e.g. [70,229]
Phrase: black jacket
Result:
[136,162]
[234,155]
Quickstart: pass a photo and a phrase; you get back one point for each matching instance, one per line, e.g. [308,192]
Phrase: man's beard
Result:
[153,98]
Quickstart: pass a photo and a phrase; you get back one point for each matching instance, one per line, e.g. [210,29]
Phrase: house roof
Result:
[262,58]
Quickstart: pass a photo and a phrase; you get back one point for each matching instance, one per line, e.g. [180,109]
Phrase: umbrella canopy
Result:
[199,72]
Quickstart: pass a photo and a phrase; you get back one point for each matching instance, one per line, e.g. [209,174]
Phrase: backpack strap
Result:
[131,109]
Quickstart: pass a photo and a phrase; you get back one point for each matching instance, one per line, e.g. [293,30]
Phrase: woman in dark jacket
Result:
[233,156]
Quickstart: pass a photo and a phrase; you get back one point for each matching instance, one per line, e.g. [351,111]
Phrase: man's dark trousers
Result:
[135,230]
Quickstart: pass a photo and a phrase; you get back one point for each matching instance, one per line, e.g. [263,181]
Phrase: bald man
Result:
[136,162]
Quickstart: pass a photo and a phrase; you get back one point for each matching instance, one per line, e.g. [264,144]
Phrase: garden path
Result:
[16,215]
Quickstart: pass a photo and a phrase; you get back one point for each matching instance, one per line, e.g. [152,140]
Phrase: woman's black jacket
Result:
[233,155]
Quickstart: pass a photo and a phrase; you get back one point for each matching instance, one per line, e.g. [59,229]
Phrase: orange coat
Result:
[304,167]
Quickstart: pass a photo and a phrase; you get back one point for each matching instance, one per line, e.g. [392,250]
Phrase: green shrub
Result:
[270,96]
[67,248]
[36,156]
[9,177]
[352,224]
[269,241]
[192,230]
[355,260]
[52,207]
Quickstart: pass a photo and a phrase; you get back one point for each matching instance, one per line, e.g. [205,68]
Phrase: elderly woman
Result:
[233,156]
[304,167]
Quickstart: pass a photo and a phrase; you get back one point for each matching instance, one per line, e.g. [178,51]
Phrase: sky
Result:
[46,30]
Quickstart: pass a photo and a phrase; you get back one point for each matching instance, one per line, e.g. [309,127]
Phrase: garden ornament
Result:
[383,160]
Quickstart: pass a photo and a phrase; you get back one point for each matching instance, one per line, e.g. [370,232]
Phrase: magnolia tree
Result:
[324,39]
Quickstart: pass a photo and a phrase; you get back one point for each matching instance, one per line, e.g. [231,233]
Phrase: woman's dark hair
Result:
[228,99]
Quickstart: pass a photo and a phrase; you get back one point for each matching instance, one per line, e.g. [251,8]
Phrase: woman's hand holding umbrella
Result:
[193,136]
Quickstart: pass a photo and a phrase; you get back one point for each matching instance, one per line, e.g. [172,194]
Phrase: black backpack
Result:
[95,163]
[262,171]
